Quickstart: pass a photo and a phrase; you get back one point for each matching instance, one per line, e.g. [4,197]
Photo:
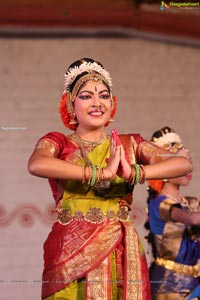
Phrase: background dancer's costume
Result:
[176,245]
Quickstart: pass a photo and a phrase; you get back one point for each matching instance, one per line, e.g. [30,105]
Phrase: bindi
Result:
[95,89]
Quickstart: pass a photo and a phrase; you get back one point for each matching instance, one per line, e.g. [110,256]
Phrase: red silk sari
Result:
[92,229]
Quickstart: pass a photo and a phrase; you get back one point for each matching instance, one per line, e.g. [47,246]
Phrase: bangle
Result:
[98,174]
[137,173]
[142,174]
[102,174]
[89,174]
[84,174]
[131,178]
[94,175]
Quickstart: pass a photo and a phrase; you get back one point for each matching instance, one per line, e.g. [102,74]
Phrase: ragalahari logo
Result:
[181,5]
[163,5]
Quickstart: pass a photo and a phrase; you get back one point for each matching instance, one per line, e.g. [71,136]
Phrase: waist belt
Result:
[193,271]
[93,215]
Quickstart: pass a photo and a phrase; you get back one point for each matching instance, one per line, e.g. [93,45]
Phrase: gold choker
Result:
[76,138]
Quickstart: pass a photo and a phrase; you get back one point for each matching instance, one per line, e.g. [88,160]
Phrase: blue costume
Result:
[175,272]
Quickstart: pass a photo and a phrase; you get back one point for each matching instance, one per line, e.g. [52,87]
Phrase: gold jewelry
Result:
[76,138]
[89,174]
[179,268]
[131,178]
[142,174]
[137,174]
[73,122]
[96,177]
[94,77]
[111,120]
[88,67]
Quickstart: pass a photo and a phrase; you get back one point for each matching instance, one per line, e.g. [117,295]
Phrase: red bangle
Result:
[142,174]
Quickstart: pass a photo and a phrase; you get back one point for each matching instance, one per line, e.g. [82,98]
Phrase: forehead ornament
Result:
[89,67]
[93,77]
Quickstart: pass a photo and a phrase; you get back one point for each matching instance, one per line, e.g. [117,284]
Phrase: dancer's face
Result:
[92,105]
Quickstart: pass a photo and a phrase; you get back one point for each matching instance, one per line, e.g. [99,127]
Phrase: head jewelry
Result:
[77,74]
[167,139]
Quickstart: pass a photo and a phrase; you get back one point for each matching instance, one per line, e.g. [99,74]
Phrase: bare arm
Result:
[162,165]
[43,163]
[179,215]
[166,165]
[169,168]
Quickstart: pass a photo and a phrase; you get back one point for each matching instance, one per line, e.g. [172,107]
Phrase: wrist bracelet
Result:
[94,175]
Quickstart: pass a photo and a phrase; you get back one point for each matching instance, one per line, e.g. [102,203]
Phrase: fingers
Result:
[116,137]
[114,148]
[122,152]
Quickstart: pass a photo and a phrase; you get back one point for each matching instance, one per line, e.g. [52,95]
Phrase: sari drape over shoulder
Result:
[94,239]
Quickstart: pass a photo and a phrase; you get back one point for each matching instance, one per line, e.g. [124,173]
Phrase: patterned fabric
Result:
[174,242]
[93,251]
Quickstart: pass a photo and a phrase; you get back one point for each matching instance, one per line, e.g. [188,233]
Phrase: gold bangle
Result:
[83,174]
[131,178]
[89,174]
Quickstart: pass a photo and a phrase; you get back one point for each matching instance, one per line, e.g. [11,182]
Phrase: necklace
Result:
[76,138]
[103,185]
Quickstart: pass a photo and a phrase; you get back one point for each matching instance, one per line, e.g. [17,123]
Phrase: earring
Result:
[73,122]
[111,120]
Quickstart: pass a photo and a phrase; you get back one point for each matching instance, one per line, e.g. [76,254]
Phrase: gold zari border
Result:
[187,270]
[98,281]
[133,276]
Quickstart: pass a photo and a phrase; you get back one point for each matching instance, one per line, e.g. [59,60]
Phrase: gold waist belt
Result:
[93,215]
[179,268]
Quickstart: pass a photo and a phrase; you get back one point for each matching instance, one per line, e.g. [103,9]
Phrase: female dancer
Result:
[93,250]
[174,229]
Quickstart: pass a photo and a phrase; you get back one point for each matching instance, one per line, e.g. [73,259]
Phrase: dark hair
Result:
[157,134]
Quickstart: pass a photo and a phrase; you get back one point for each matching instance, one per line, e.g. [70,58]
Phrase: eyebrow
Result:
[86,91]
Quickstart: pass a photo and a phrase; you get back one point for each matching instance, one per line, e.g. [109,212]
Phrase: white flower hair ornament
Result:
[167,138]
[71,75]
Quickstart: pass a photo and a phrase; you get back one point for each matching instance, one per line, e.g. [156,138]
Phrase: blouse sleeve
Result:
[165,209]
[53,142]
[143,149]
[137,149]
